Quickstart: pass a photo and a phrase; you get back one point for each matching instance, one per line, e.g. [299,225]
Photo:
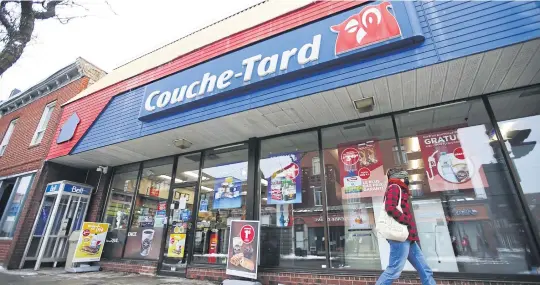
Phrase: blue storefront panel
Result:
[450,30]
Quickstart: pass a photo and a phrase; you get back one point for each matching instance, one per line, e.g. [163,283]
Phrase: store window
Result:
[13,195]
[222,197]
[518,118]
[121,194]
[464,202]
[356,157]
[292,225]
[149,218]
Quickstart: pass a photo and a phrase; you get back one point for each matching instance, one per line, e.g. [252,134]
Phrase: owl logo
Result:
[374,24]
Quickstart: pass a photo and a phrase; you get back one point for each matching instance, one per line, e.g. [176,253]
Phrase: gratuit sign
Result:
[91,242]
[243,249]
[448,164]
[384,26]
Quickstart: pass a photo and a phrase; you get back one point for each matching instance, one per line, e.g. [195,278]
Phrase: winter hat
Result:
[397,173]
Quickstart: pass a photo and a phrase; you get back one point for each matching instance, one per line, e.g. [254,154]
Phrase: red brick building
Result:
[28,121]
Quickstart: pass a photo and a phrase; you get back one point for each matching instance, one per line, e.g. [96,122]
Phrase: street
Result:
[59,276]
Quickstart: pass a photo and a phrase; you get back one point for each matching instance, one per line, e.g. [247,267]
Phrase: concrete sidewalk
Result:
[60,277]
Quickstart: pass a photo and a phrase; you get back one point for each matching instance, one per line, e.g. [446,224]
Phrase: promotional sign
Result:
[351,34]
[361,170]
[91,242]
[285,184]
[213,248]
[227,193]
[177,244]
[243,249]
[447,165]
[283,215]
[358,217]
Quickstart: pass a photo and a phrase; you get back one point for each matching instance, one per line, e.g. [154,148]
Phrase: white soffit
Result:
[244,20]
[483,73]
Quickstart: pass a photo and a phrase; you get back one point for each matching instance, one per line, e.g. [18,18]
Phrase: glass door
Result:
[181,209]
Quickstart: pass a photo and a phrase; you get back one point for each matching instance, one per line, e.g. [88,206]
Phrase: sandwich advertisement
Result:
[243,250]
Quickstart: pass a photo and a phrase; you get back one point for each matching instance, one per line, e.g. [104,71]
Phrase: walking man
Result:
[400,252]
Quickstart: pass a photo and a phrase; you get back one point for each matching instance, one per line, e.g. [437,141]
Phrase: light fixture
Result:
[207,189]
[193,175]
[264,182]
[170,178]
[436,107]
[364,105]
[228,146]
[182,143]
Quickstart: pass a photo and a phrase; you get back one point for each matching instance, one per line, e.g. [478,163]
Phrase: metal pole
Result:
[324,198]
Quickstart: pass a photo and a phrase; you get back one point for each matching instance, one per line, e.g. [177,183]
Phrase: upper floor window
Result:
[43,122]
[7,136]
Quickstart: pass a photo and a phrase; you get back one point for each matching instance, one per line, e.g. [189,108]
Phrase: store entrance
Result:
[179,229]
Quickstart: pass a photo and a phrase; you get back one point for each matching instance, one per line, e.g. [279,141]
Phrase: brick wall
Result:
[19,155]
[5,245]
[271,278]
[132,266]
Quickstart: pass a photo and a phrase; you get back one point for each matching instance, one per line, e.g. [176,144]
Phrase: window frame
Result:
[22,202]
[41,128]
[7,136]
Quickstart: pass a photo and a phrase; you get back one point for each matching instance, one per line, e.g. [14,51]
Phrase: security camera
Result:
[102,169]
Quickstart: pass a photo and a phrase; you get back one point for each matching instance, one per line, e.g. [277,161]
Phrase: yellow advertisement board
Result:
[91,242]
[177,244]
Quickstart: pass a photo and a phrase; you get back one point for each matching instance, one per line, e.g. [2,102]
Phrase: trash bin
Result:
[73,239]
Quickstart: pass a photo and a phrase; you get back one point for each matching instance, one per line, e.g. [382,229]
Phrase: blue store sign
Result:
[70,188]
[350,35]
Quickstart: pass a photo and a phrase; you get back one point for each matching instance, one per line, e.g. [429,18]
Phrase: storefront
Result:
[300,134]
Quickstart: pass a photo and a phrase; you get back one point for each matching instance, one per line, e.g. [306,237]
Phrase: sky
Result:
[111,34]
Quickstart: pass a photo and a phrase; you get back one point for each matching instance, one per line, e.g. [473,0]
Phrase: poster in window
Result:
[361,170]
[447,163]
[285,183]
[177,244]
[227,193]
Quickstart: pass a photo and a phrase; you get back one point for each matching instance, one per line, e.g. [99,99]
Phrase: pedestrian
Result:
[400,252]
[466,244]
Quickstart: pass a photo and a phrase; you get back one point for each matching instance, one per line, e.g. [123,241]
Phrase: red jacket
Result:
[405,217]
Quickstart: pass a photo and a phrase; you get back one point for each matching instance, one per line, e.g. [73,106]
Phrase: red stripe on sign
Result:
[89,107]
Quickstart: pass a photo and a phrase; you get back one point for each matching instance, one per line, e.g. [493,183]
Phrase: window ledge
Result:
[5,238]
[34,145]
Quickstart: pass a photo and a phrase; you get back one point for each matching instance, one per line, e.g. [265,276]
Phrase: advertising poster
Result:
[177,244]
[447,165]
[361,170]
[358,217]
[91,242]
[283,215]
[213,248]
[285,183]
[227,193]
[143,243]
[243,249]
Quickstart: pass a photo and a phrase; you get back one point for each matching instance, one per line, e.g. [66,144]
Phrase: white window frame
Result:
[315,191]
[7,136]
[43,122]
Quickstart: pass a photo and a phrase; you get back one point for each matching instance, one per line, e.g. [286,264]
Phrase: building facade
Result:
[291,113]
[27,126]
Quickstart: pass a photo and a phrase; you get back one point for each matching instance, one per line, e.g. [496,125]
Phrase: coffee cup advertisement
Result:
[243,249]
[143,243]
[91,242]
[448,164]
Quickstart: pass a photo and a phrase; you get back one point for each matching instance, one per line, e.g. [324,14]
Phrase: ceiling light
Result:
[182,143]
[193,175]
[436,107]
[207,189]
[170,178]
[228,146]
[264,182]
[364,105]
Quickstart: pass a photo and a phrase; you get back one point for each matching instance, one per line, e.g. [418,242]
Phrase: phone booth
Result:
[61,212]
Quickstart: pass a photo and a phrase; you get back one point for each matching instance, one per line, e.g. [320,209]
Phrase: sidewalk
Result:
[60,277]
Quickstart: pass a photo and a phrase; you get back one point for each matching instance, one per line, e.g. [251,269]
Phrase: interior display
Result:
[227,193]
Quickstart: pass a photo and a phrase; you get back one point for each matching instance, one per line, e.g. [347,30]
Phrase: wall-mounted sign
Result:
[68,128]
[356,33]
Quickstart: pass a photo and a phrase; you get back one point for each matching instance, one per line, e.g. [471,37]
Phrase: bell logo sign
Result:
[372,25]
